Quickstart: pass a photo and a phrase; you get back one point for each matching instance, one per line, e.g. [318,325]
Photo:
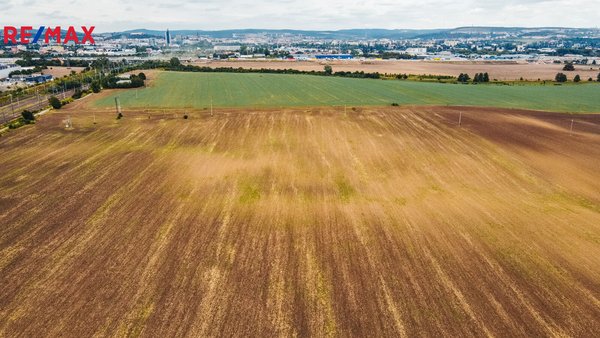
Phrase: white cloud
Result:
[110,15]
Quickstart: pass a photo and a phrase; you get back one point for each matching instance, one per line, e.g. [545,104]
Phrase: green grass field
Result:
[195,90]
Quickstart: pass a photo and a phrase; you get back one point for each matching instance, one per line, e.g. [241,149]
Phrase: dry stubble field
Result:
[380,222]
[503,70]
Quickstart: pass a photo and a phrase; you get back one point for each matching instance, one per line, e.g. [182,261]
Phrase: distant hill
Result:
[338,34]
[375,33]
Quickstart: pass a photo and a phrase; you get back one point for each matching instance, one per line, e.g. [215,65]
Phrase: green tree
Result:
[136,82]
[598,78]
[569,67]
[95,86]
[142,76]
[100,63]
[486,77]
[54,102]
[577,78]
[28,116]
[560,77]
[328,70]
[175,62]
[77,94]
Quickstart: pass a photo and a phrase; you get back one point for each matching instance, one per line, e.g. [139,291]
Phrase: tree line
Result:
[479,78]
[562,77]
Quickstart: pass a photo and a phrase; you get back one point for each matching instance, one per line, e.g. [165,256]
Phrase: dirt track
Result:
[499,70]
[380,222]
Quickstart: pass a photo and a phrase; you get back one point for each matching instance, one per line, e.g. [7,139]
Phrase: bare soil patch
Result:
[58,72]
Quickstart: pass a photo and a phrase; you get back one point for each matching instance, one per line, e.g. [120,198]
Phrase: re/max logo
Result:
[46,34]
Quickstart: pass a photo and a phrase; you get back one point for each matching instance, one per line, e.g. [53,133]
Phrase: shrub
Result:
[577,78]
[569,67]
[28,115]
[66,101]
[395,104]
[185,117]
[19,123]
[95,86]
[54,102]
[77,94]
[560,77]
[15,124]
[120,116]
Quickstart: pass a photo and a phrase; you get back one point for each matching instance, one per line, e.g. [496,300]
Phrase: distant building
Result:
[334,56]
[6,69]
[33,78]
[168,37]
[416,51]
[227,48]
[301,57]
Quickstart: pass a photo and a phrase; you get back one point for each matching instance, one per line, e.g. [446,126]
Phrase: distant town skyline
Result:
[113,15]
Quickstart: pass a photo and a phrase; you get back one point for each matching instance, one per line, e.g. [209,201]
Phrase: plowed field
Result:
[374,222]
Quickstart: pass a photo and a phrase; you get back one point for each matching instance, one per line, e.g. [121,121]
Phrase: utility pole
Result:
[3,116]
[117,105]
[571,130]
[12,108]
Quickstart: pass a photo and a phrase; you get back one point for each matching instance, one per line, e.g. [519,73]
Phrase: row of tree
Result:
[28,61]
[36,69]
[479,78]
[562,77]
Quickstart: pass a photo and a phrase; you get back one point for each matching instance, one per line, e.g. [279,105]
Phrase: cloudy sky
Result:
[114,15]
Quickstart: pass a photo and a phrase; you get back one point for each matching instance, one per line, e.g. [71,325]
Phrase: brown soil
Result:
[58,72]
[378,222]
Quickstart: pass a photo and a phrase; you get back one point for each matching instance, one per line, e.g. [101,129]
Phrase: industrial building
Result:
[334,56]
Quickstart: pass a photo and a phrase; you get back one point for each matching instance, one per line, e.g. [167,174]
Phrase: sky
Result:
[118,15]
